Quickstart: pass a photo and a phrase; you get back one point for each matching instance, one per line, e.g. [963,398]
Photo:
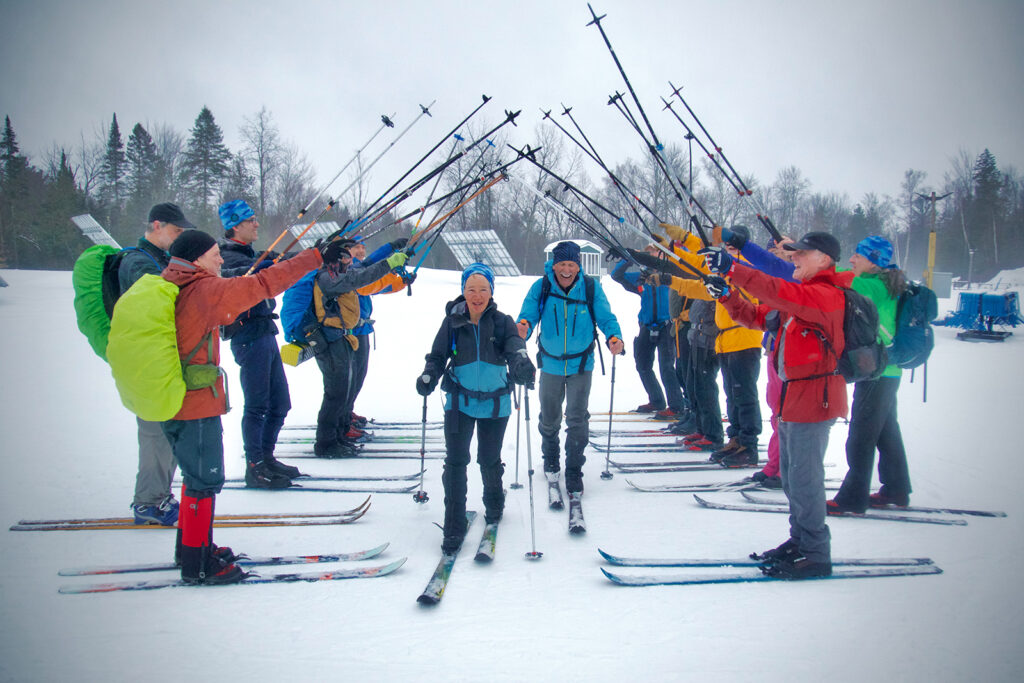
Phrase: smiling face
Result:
[247,231]
[566,272]
[477,292]
[809,262]
[358,251]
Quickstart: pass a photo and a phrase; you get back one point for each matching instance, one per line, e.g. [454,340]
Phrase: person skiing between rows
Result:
[570,314]
[469,356]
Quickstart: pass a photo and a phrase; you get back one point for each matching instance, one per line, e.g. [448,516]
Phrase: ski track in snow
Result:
[69,450]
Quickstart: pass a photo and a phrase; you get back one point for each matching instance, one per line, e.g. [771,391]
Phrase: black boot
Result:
[200,566]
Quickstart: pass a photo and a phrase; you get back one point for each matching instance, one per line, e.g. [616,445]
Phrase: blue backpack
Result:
[297,309]
[914,339]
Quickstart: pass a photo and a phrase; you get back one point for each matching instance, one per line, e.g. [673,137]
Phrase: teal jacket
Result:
[566,328]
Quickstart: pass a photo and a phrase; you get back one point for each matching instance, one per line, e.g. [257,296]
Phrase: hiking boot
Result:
[359,421]
[164,513]
[259,476]
[743,456]
[451,544]
[333,450]
[833,507]
[881,500]
[724,451]
[797,568]
[646,408]
[687,425]
[667,415]
[357,435]
[688,438]
[278,467]
[787,550]
[201,566]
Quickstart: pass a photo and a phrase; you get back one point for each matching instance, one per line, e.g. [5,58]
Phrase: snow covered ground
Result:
[68,450]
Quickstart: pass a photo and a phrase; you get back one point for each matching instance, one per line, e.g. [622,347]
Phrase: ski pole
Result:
[533,554]
[607,474]
[421,495]
[515,395]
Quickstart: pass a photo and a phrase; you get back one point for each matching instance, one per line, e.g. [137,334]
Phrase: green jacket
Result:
[872,286]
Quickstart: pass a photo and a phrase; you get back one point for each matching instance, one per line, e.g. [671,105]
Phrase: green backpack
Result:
[142,350]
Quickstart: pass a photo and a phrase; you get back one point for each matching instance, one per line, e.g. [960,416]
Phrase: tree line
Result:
[978,212]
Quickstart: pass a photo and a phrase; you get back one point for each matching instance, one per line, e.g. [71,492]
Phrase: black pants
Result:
[266,395]
[646,343]
[740,370]
[873,424]
[335,415]
[360,365]
[458,432]
[198,446]
[683,374]
[704,365]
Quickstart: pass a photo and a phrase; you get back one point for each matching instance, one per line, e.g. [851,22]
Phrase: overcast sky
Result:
[851,92]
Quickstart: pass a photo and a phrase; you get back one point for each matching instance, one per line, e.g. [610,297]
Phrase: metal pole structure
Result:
[932,238]
[421,495]
[516,395]
[607,474]
[533,554]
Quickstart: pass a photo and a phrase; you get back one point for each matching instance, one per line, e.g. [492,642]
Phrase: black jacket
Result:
[258,321]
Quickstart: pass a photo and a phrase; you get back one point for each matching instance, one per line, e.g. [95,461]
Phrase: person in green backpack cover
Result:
[205,302]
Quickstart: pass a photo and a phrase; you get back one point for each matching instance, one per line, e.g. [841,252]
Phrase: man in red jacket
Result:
[809,316]
[205,302]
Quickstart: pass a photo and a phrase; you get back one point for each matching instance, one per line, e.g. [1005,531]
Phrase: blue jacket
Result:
[566,328]
[477,382]
[258,321]
[654,301]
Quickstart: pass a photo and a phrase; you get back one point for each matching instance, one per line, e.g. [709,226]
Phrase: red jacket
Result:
[805,310]
[206,301]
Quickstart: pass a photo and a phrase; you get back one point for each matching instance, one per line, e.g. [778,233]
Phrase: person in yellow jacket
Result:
[739,355]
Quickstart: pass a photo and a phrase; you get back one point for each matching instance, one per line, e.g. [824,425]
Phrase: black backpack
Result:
[914,339]
[863,357]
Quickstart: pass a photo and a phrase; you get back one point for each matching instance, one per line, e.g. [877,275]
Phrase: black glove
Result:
[717,286]
[408,277]
[521,370]
[735,239]
[265,263]
[399,243]
[333,251]
[425,384]
[616,252]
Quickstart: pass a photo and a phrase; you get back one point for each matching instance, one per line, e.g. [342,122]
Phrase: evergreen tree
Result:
[204,165]
[239,183]
[113,188]
[14,180]
[145,175]
[986,213]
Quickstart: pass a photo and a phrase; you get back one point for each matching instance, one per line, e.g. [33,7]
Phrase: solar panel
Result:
[93,230]
[481,246]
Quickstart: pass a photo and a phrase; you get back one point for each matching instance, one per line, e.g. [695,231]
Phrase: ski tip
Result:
[483,558]
[607,556]
[614,578]
[428,599]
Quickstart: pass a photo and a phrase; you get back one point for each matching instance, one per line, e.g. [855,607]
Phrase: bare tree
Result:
[262,150]
[88,163]
[788,194]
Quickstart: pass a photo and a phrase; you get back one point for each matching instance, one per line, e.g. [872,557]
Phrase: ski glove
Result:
[717,259]
[425,384]
[521,370]
[717,286]
[408,278]
[733,239]
[399,244]
[397,260]
[264,264]
[333,251]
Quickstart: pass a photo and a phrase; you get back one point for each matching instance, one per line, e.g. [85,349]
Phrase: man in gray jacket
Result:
[154,503]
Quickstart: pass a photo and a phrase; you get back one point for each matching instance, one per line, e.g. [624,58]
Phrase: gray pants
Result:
[156,465]
[802,461]
[575,391]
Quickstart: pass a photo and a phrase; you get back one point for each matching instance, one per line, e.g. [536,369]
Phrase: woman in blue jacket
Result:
[470,352]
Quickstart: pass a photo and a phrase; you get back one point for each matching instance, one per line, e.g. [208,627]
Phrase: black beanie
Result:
[191,244]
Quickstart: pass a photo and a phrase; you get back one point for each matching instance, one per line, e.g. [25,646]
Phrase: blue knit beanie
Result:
[876,249]
[234,212]
[478,269]
[566,251]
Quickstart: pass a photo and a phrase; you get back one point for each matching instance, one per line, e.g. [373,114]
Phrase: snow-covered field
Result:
[69,450]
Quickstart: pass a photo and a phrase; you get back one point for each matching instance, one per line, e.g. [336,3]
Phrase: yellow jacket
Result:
[731,336]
